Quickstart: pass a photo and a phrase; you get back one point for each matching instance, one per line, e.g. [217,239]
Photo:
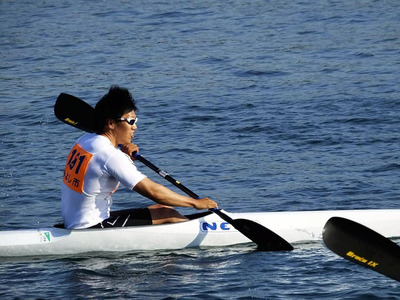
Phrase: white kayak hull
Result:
[207,231]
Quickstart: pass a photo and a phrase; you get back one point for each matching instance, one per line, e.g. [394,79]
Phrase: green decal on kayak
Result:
[45,236]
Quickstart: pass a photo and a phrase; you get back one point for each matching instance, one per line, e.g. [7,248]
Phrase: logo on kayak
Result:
[214,226]
[44,236]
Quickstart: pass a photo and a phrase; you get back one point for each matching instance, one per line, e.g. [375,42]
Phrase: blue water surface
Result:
[260,105]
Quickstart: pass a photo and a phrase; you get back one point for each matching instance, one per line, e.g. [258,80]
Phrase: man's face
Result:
[123,131]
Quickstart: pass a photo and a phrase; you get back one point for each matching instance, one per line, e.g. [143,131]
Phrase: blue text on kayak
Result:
[214,226]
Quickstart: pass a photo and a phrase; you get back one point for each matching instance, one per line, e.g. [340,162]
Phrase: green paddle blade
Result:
[265,239]
[74,112]
[363,246]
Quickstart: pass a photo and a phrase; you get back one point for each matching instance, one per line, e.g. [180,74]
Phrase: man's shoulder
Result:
[95,143]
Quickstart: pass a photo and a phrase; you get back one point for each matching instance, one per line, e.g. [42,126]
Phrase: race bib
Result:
[75,169]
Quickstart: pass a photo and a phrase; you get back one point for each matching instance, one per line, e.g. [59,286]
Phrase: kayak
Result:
[202,230]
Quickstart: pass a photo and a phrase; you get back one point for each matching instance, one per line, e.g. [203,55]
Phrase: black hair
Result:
[117,102]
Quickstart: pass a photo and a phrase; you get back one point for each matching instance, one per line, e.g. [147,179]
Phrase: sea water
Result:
[260,105]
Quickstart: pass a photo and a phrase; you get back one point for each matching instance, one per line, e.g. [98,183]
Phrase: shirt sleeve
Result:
[122,168]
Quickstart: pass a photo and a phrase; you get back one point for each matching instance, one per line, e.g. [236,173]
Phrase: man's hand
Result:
[130,149]
[205,203]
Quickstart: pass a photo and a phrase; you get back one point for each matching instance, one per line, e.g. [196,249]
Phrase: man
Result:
[100,161]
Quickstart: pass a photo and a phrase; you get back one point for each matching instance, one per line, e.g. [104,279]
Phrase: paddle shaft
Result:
[165,175]
[178,184]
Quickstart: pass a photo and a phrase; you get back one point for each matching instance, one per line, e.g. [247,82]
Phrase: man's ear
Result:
[110,123]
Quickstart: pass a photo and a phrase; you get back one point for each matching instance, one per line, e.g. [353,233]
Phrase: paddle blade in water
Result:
[74,112]
[362,246]
[265,239]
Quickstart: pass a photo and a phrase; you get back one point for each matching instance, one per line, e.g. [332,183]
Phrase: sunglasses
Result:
[130,121]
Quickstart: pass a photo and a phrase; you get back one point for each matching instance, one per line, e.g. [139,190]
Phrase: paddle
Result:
[362,246]
[79,114]
[265,239]
[74,112]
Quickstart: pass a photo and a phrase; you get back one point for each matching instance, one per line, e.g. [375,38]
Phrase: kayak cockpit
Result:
[190,217]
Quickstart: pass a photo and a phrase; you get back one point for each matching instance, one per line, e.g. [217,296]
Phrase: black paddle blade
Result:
[362,246]
[265,239]
[74,112]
